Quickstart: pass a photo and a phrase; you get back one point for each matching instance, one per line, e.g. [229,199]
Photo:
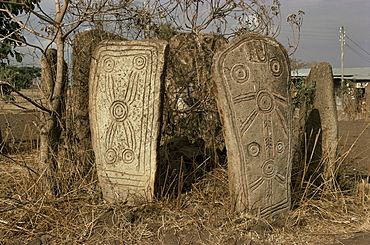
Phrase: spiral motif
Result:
[279,147]
[108,64]
[110,156]
[119,110]
[240,73]
[265,102]
[268,168]
[139,62]
[275,67]
[128,156]
[254,149]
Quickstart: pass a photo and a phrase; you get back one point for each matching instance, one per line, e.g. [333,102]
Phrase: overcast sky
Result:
[320,30]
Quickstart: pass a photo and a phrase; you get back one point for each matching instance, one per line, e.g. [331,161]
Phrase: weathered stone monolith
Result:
[252,79]
[84,45]
[125,111]
[190,108]
[321,122]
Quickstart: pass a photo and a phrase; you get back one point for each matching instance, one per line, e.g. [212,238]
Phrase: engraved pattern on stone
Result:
[240,73]
[265,102]
[254,149]
[124,113]
[268,169]
[257,122]
[119,110]
[275,67]
[111,156]
[139,62]
[280,146]
[109,64]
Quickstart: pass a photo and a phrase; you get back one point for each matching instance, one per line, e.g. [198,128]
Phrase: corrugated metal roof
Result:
[360,73]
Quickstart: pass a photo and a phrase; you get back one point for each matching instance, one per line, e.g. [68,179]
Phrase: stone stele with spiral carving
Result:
[252,80]
[125,103]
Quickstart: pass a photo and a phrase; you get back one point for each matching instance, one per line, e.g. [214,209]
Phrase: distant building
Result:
[357,80]
[360,76]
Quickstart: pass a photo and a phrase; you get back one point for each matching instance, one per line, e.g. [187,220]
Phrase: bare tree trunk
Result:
[51,129]
[54,80]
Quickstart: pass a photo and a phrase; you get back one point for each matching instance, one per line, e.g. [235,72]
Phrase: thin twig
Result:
[11,160]
[25,97]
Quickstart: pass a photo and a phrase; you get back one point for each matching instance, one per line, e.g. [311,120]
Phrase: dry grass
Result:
[201,214]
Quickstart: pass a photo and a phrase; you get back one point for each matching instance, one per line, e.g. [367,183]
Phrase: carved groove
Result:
[257,119]
[125,106]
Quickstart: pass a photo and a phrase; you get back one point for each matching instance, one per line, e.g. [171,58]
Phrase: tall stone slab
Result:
[190,108]
[125,112]
[84,45]
[323,120]
[252,79]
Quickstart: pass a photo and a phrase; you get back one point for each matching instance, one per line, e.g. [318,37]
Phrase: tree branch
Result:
[25,97]
[61,14]
[11,160]
[23,25]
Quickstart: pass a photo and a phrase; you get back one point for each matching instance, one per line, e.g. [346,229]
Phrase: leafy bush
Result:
[304,93]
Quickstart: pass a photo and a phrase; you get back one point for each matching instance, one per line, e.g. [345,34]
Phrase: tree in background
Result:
[296,64]
[128,18]
[21,77]
[58,26]
[11,34]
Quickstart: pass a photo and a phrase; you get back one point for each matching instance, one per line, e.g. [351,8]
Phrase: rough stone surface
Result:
[322,120]
[125,109]
[190,107]
[252,80]
[84,45]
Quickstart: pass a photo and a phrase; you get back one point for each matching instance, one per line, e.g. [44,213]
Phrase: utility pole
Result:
[342,52]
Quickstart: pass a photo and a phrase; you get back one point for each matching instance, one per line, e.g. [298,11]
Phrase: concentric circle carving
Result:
[111,156]
[254,149]
[280,147]
[119,110]
[139,62]
[275,67]
[268,168]
[240,73]
[265,102]
[108,64]
[128,156]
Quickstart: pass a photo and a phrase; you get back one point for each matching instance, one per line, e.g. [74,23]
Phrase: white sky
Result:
[320,30]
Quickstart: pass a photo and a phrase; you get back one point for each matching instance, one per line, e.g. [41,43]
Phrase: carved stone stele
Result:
[125,112]
[252,79]
[190,108]
[84,45]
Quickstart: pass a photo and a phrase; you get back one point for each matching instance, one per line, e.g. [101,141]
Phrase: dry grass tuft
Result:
[198,212]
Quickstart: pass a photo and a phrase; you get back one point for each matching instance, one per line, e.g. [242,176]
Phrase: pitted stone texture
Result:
[125,110]
[252,80]
[190,107]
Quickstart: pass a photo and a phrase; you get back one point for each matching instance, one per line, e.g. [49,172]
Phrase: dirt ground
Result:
[355,135]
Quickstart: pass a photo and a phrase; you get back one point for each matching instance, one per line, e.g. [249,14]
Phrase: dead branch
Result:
[25,97]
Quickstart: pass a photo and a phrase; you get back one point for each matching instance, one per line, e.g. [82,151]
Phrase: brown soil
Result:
[355,135]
